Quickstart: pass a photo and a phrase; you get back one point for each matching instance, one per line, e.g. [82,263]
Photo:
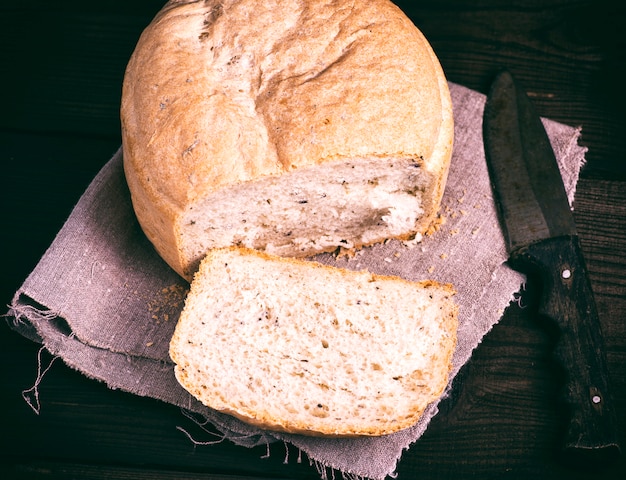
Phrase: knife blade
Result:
[542,241]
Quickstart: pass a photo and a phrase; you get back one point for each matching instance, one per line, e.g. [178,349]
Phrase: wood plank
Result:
[64,62]
[63,471]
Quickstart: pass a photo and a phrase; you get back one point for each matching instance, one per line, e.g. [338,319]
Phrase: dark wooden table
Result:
[61,68]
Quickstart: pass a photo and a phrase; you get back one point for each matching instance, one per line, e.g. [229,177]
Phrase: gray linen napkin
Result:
[103,301]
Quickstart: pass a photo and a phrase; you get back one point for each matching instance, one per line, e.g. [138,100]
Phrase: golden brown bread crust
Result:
[219,93]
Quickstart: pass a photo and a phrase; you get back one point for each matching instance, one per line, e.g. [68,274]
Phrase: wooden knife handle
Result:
[567,299]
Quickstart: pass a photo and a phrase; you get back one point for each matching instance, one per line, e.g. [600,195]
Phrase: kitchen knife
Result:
[541,239]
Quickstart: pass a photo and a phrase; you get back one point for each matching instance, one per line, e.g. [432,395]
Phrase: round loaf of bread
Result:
[291,127]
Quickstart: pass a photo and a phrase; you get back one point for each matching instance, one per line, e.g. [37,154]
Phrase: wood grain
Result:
[62,67]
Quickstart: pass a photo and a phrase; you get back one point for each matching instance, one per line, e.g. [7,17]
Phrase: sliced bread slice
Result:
[296,346]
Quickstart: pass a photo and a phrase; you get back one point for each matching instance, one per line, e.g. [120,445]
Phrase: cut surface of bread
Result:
[295,346]
[294,127]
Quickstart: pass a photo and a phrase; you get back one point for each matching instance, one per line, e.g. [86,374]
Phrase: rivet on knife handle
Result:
[567,300]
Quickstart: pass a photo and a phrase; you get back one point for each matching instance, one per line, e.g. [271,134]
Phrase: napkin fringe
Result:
[204,423]
[325,471]
[23,312]
[328,473]
[31,395]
